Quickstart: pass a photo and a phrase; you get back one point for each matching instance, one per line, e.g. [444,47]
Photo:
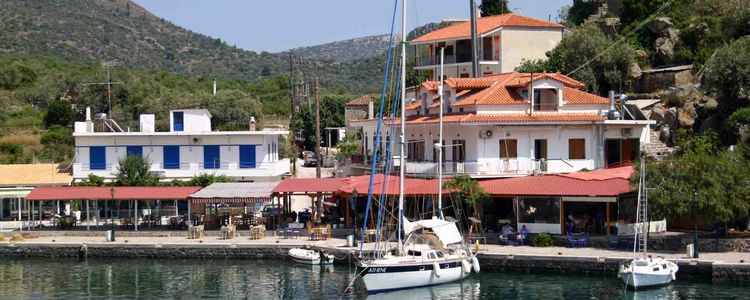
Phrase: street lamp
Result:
[695,224]
[112,223]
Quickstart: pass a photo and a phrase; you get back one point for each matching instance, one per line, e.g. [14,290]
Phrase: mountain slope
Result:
[346,50]
[96,30]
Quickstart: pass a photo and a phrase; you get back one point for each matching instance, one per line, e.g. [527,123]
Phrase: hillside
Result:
[346,50]
[96,30]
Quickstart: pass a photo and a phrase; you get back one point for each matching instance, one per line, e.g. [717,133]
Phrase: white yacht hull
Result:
[646,273]
[383,278]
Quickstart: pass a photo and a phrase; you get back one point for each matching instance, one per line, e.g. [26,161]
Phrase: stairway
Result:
[599,13]
[656,148]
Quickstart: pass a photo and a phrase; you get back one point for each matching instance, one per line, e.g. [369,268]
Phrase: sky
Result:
[278,25]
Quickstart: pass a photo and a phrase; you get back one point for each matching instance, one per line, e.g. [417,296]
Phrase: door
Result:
[247,156]
[171,157]
[211,157]
[540,149]
[98,158]
[178,121]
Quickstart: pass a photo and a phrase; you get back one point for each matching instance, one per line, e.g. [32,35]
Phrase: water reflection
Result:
[276,279]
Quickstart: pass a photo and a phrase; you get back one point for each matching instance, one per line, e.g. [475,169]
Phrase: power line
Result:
[646,21]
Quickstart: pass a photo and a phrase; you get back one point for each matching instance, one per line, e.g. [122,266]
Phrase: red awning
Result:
[54,193]
[309,185]
[555,185]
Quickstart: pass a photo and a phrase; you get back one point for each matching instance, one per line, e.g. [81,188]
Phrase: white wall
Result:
[518,44]
[191,154]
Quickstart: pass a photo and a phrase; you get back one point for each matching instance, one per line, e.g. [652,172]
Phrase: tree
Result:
[207,179]
[494,7]
[135,170]
[468,189]
[59,112]
[728,74]
[92,180]
[13,153]
[349,146]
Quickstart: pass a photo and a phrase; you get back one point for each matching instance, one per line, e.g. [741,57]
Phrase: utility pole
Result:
[318,161]
[292,110]
[474,56]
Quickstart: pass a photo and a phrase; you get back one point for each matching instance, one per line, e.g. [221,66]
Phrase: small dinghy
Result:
[310,257]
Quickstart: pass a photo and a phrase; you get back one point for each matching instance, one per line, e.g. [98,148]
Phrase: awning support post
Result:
[190,215]
[30,207]
[88,217]
[135,211]
[19,214]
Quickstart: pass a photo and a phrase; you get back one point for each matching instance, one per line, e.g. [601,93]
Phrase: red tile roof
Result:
[573,96]
[46,193]
[484,25]
[362,101]
[603,174]
[535,118]
[430,85]
[555,185]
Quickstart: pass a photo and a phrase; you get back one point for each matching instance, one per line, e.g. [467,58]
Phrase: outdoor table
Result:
[227,232]
[195,232]
[256,232]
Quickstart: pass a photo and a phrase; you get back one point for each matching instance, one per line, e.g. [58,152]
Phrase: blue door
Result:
[98,158]
[211,157]
[134,150]
[247,156]
[171,157]
[178,121]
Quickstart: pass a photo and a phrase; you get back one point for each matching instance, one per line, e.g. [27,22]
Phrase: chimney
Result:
[613,113]
[252,124]
[371,108]
[214,87]
[89,124]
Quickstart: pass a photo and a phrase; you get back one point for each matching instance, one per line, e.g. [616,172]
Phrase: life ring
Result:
[436,269]
[465,267]
[475,264]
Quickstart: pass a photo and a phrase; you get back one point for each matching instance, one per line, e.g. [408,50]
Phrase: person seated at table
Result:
[572,222]
[507,231]
[524,232]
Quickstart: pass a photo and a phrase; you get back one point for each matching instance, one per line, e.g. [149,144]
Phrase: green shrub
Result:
[542,240]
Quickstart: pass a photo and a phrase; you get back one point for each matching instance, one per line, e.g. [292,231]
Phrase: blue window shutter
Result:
[247,156]
[211,157]
[178,121]
[98,158]
[134,150]
[171,157]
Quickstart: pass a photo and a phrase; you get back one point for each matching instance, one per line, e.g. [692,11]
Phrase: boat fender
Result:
[436,269]
[465,266]
[475,264]
[673,275]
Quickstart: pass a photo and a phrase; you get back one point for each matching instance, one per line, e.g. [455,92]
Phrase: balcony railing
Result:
[499,167]
[449,59]
[271,168]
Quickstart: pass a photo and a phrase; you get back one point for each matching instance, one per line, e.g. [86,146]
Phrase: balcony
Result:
[499,168]
[187,170]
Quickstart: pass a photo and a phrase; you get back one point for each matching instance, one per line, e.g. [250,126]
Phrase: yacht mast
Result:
[439,144]
[402,156]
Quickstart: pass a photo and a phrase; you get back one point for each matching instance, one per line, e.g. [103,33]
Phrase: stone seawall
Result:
[562,264]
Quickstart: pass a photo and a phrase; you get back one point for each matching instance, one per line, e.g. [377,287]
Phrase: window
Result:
[211,157]
[247,156]
[508,149]
[171,157]
[98,158]
[178,121]
[577,149]
[134,150]
[539,210]
[459,150]
[540,149]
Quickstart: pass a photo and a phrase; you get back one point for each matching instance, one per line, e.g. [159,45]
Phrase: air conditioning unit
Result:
[485,134]
[626,132]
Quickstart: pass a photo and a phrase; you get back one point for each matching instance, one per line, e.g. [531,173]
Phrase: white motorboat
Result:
[644,271]
[310,257]
[648,272]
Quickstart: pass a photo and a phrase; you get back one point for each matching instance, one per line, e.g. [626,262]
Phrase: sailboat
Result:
[428,252]
[645,271]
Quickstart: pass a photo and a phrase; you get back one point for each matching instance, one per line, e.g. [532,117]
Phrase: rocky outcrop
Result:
[667,39]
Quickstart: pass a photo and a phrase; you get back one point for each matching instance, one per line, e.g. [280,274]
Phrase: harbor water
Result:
[279,279]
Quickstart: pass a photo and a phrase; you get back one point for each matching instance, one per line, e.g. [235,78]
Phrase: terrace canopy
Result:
[234,192]
[105,193]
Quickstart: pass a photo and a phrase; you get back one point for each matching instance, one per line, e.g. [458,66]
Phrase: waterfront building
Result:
[189,148]
[494,128]
[17,181]
[504,42]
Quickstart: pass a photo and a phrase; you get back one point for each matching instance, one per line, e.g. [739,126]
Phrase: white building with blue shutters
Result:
[188,149]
